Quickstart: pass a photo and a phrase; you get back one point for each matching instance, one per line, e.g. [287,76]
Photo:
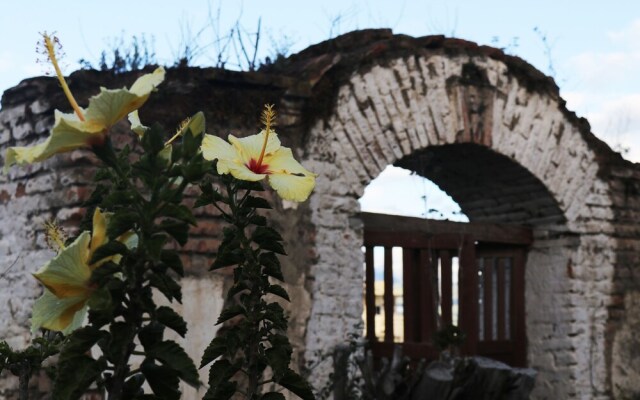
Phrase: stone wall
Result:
[488,128]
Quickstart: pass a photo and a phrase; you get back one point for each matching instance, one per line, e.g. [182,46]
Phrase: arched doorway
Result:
[493,132]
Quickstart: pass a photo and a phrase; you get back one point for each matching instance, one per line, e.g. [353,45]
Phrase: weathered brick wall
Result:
[397,109]
[488,128]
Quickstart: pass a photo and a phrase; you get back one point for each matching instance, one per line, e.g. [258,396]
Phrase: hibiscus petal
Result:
[67,273]
[214,148]
[250,147]
[288,177]
[67,134]
[136,125]
[99,234]
[56,314]
[146,83]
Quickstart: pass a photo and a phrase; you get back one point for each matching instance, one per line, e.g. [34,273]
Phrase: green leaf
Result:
[230,312]
[109,249]
[275,313]
[236,288]
[178,230]
[172,355]
[117,198]
[226,257]
[256,202]
[258,220]
[120,338]
[151,334]
[268,239]
[172,320]
[80,342]
[75,376]
[167,286]
[216,348]
[153,139]
[162,379]
[278,359]
[172,259]
[278,291]
[296,384]
[249,185]
[220,386]
[272,396]
[100,300]
[271,265]
[133,386]
[177,211]
[121,222]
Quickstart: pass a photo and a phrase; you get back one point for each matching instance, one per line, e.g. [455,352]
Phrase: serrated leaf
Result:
[172,320]
[167,286]
[226,257]
[173,261]
[80,342]
[236,288]
[119,339]
[75,376]
[268,239]
[216,348]
[162,379]
[256,202]
[220,386]
[229,313]
[120,222]
[151,334]
[297,385]
[271,265]
[278,359]
[109,249]
[177,230]
[278,291]
[173,356]
[177,211]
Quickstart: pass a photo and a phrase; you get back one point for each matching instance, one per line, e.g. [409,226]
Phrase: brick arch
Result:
[407,106]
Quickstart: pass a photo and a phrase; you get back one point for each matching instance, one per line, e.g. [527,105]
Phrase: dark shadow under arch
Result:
[488,186]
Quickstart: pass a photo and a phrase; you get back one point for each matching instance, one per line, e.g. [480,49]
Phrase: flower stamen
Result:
[181,128]
[55,236]
[50,45]
[267,118]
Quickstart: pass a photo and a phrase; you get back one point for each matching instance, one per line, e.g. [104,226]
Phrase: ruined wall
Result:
[389,108]
[488,128]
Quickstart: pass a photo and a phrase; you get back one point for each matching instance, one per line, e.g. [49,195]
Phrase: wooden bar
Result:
[388,295]
[496,233]
[487,276]
[410,295]
[370,296]
[501,298]
[517,311]
[468,296]
[427,305]
[446,287]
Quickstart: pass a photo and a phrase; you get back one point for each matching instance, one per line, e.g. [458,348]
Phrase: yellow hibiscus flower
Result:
[85,127]
[258,156]
[66,278]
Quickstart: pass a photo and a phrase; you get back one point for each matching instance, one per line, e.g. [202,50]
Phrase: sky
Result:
[591,48]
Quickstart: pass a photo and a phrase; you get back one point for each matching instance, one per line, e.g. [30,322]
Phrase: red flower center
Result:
[257,168]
